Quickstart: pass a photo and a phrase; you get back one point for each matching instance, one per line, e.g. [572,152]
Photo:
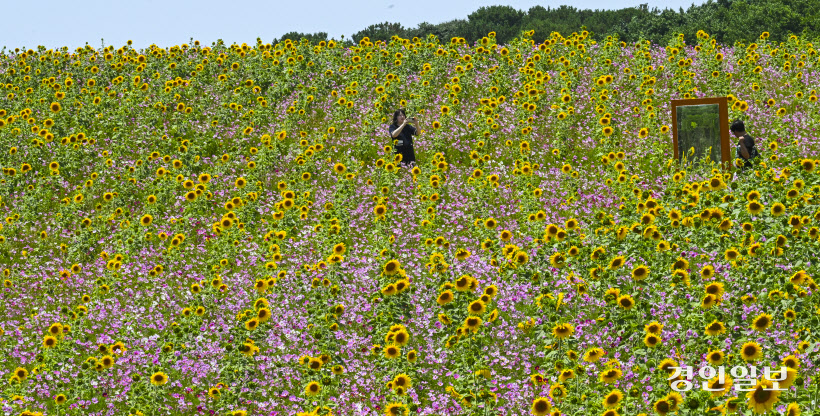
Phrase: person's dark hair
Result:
[737,125]
[396,116]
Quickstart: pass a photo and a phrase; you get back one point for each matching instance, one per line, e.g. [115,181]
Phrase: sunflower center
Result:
[762,396]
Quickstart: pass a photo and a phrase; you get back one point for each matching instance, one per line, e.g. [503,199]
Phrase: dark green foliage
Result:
[443,31]
[382,31]
[505,21]
[728,21]
[296,37]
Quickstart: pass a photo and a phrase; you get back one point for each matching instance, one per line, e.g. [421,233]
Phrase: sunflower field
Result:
[226,230]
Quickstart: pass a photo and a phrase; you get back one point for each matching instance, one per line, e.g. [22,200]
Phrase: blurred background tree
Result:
[728,21]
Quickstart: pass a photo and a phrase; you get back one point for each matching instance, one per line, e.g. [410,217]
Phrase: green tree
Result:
[655,25]
[381,31]
[443,31]
[746,20]
[505,21]
[709,17]
[564,20]
[297,36]
[727,21]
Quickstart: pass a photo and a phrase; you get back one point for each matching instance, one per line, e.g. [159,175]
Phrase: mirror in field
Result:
[700,129]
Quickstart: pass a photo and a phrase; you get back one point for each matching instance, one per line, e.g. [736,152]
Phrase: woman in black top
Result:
[746,149]
[403,134]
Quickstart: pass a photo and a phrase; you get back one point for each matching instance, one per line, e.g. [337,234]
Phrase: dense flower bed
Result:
[225,230]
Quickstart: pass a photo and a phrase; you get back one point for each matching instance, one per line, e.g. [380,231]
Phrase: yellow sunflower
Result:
[313,388]
[715,328]
[762,398]
[159,378]
[563,331]
[751,351]
[392,351]
[640,272]
[540,406]
[610,375]
[762,322]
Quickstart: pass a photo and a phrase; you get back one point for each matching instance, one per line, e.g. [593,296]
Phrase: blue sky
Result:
[54,24]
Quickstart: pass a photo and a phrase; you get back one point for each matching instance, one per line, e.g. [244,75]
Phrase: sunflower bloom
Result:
[540,406]
[159,378]
[762,399]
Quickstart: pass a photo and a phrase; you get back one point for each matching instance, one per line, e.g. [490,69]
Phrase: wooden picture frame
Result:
[712,114]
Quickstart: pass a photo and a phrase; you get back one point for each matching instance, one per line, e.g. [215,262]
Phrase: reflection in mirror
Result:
[698,130]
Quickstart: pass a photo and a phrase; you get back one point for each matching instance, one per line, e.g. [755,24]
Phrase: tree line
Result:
[728,21]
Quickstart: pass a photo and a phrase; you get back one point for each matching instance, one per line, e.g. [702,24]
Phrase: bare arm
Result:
[743,151]
[397,132]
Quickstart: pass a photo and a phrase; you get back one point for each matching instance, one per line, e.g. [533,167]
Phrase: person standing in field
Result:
[402,133]
[746,149]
